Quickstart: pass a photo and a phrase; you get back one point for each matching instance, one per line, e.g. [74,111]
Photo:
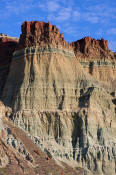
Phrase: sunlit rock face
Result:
[66,111]
[41,34]
[97,59]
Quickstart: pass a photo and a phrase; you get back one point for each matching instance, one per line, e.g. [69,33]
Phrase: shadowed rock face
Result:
[7,47]
[67,113]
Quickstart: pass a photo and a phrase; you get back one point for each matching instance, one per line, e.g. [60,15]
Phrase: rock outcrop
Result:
[67,113]
[92,49]
[7,47]
[41,34]
[97,59]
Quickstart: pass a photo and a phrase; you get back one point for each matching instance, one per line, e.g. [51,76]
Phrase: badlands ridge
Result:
[58,104]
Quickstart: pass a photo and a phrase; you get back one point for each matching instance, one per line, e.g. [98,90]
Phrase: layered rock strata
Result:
[97,59]
[19,155]
[66,111]
[7,47]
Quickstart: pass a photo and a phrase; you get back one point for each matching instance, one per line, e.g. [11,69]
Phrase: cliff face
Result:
[97,59]
[67,113]
[7,47]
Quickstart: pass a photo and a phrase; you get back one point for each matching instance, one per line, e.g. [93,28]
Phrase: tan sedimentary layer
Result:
[103,71]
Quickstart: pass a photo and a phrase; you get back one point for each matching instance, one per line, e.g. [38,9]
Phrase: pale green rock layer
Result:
[36,50]
[98,64]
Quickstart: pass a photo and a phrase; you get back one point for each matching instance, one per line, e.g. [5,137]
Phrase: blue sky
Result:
[75,18]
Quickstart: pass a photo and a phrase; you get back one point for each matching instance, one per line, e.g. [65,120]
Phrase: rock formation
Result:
[19,155]
[97,59]
[92,49]
[41,34]
[66,111]
[7,47]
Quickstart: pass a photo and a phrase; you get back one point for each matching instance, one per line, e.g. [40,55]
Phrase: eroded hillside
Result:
[67,112]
